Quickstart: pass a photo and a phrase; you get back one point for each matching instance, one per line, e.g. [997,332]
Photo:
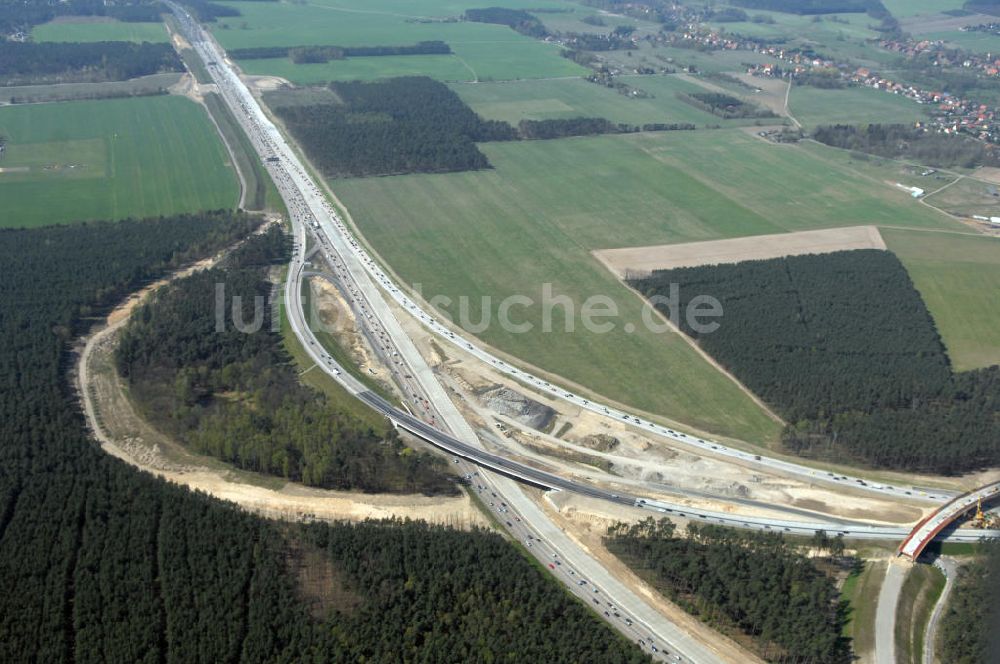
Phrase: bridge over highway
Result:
[932,526]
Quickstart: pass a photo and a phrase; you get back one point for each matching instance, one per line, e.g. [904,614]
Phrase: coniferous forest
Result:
[30,62]
[843,348]
[970,627]
[746,581]
[99,562]
[411,124]
[21,16]
[232,393]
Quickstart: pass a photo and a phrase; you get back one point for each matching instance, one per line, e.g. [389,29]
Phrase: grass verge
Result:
[320,380]
[249,165]
[860,591]
[920,593]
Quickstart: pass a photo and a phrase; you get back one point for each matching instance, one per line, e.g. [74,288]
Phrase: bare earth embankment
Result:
[643,260]
[123,433]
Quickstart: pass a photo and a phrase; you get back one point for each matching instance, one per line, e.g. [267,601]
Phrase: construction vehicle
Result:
[982,520]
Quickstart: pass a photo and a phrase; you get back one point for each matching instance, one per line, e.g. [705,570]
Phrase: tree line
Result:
[723,105]
[566,127]
[749,582]
[22,16]
[22,62]
[101,562]
[410,124]
[234,395]
[516,19]
[991,7]
[300,54]
[894,141]
[970,627]
[418,125]
[849,356]
[618,39]
[207,11]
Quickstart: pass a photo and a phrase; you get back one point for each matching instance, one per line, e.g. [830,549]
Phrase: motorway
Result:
[309,212]
[271,143]
[439,422]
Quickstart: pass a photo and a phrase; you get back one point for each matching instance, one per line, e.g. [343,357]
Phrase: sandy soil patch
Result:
[335,315]
[265,83]
[180,43]
[772,95]
[578,443]
[988,173]
[643,260]
[296,502]
[123,433]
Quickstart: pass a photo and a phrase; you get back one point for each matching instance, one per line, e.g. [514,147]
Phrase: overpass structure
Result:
[370,286]
[283,162]
[943,517]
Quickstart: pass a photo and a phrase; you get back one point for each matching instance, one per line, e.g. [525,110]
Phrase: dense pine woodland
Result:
[517,19]
[231,393]
[843,348]
[723,105]
[415,124]
[411,124]
[893,141]
[970,628]
[22,15]
[208,12]
[300,54]
[746,582]
[99,562]
[23,62]
[566,127]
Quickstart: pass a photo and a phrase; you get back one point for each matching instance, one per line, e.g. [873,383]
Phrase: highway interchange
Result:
[435,419]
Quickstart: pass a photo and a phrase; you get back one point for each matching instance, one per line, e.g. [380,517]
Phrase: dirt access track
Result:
[643,260]
[123,433]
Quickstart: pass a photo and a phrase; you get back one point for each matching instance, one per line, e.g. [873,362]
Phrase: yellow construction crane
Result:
[982,519]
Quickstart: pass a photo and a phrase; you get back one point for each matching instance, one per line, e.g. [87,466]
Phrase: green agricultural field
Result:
[908,8]
[968,197]
[489,52]
[111,159]
[829,27]
[887,171]
[570,21]
[977,42]
[142,85]
[839,36]
[94,30]
[440,67]
[677,58]
[814,106]
[544,100]
[546,205]
[958,277]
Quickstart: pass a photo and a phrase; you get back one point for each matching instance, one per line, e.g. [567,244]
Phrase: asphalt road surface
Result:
[885,613]
[439,423]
